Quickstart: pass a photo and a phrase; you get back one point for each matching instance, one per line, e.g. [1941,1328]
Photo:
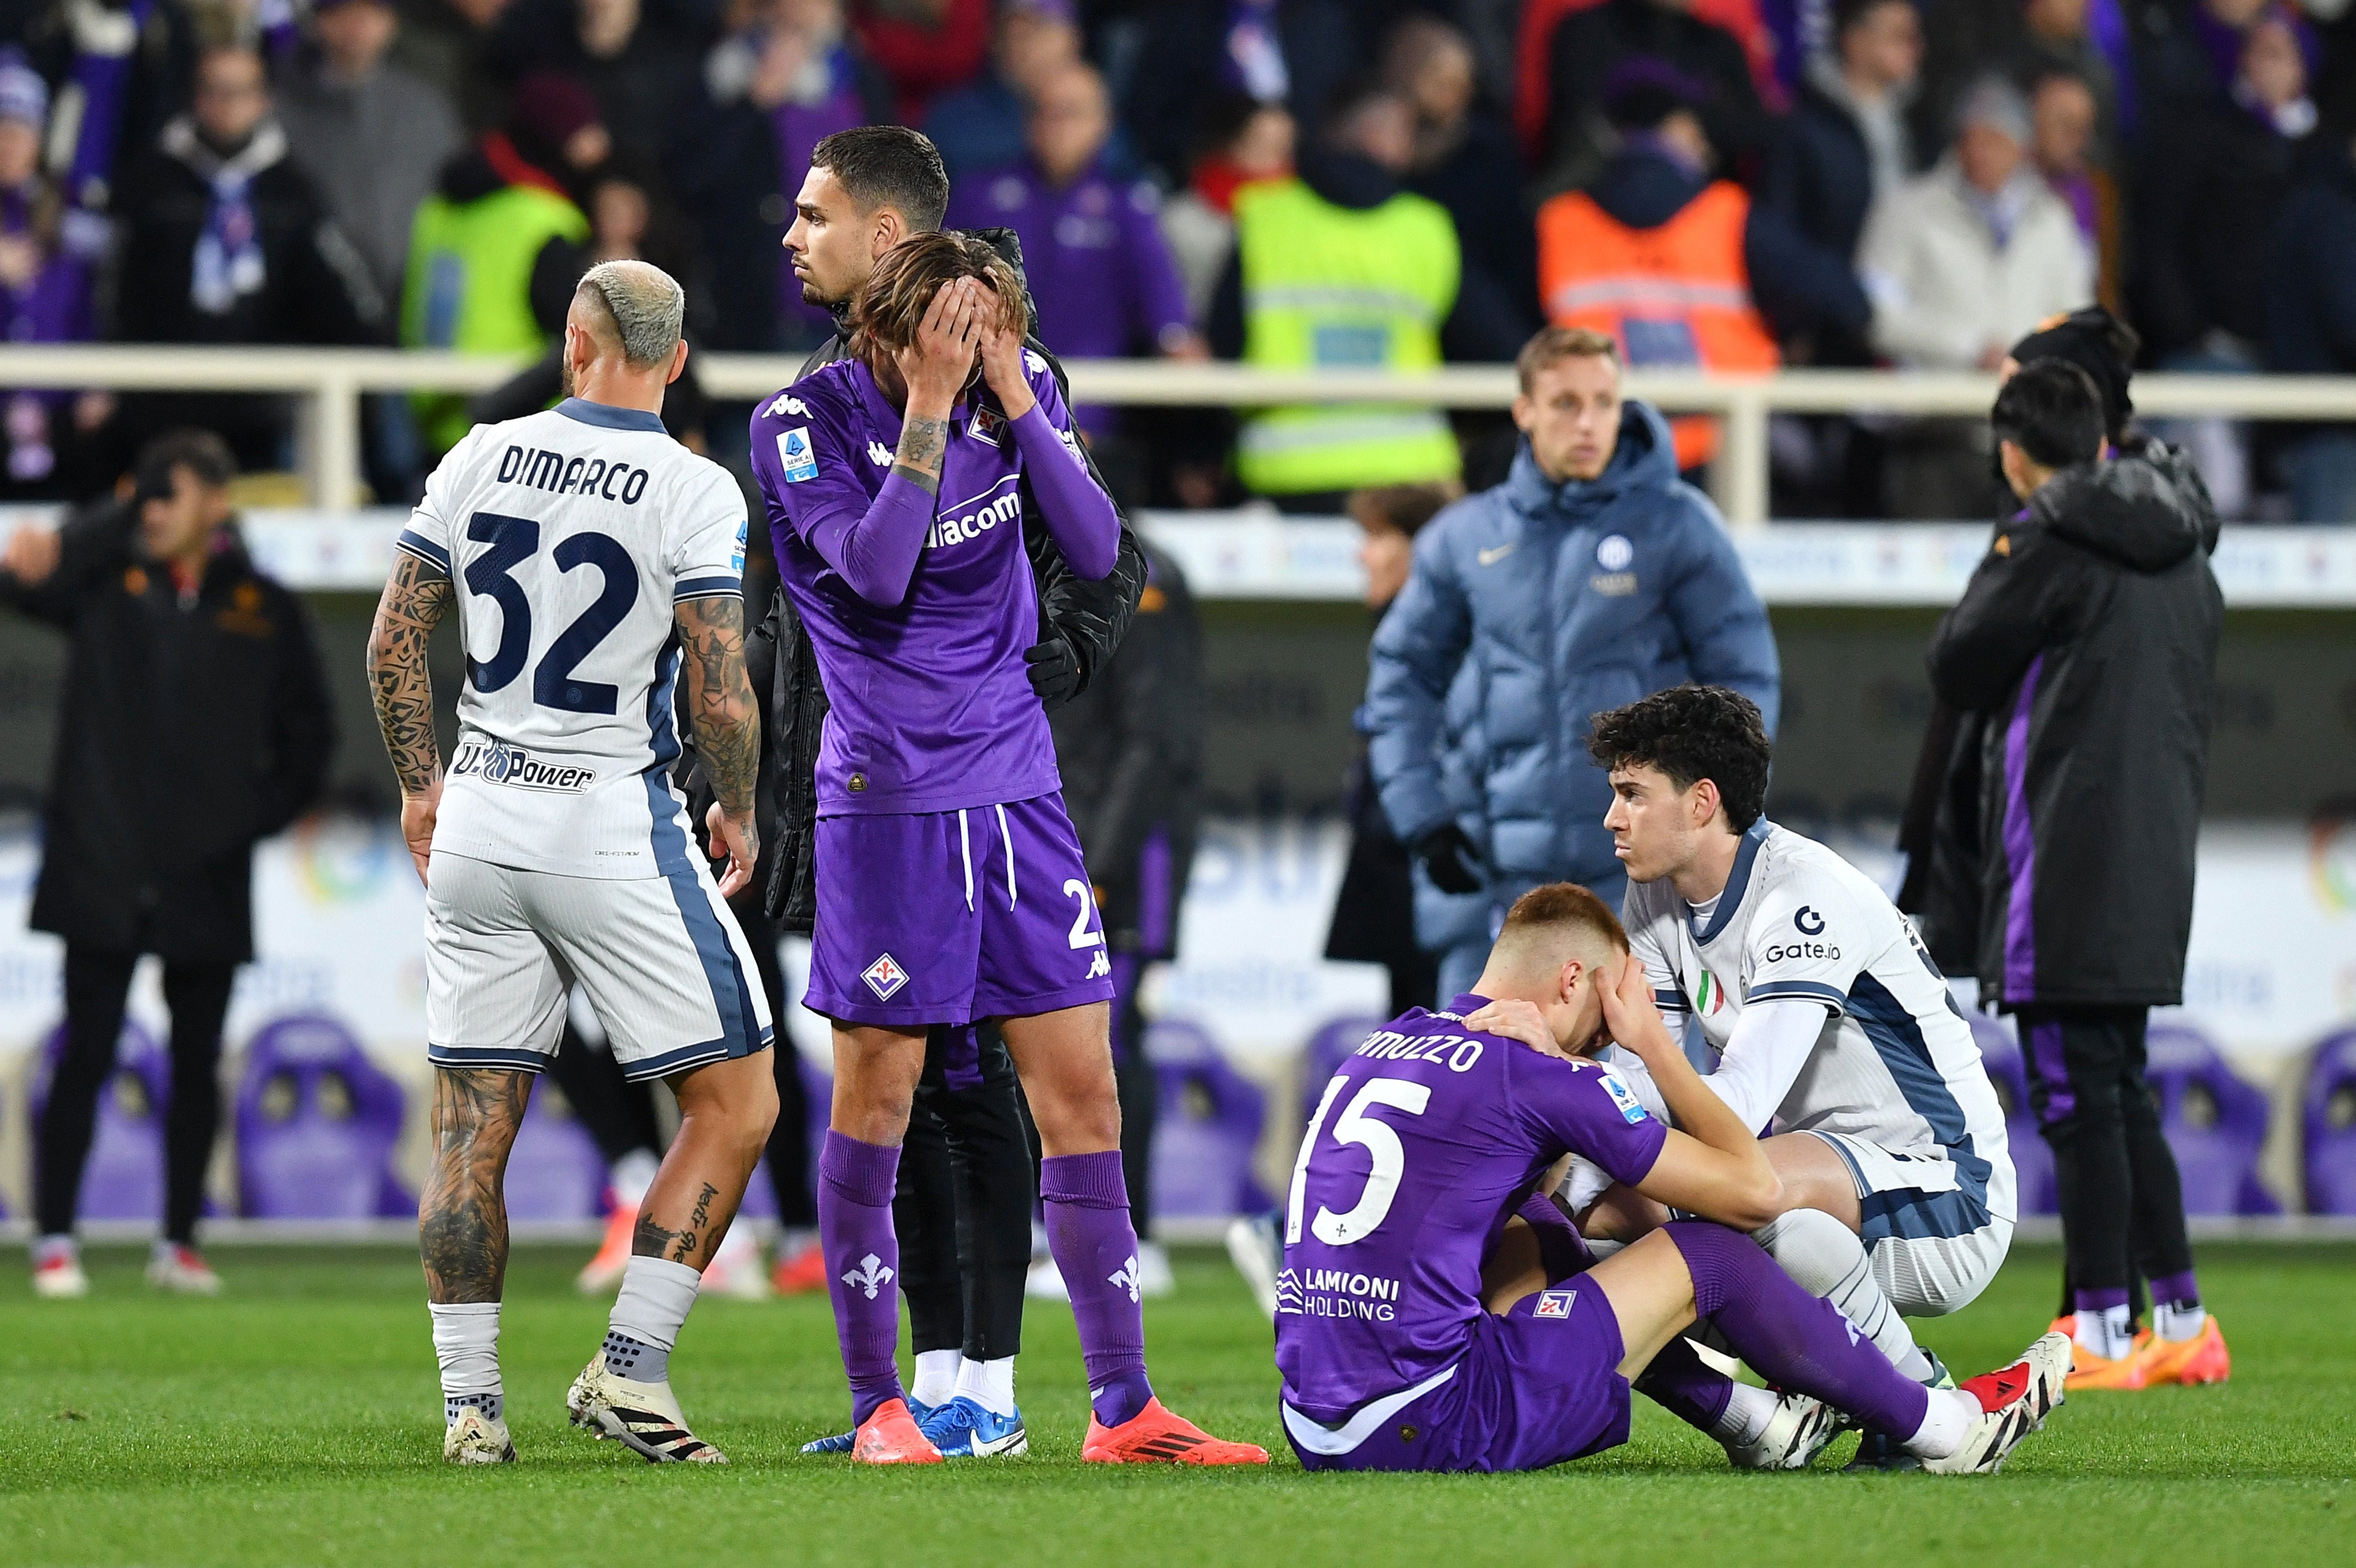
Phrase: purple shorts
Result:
[1538,1386]
[946,917]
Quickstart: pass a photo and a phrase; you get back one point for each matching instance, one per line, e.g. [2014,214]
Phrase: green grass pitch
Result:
[296,1420]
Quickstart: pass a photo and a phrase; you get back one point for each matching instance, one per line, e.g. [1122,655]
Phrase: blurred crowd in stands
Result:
[1728,184]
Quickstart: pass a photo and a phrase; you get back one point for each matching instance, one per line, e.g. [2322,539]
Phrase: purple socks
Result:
[1682,1383]
[862,1265]
[1095,1250]
[1792,1339]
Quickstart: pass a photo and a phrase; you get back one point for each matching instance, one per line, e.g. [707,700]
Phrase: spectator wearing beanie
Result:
[498,248]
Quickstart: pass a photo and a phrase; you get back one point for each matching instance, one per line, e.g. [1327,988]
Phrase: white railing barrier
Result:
[332,380]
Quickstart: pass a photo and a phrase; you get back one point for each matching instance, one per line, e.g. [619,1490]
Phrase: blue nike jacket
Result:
[1533,606]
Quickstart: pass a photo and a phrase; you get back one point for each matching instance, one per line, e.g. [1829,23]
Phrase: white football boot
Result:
[643,1417]
[1795,1434]
[478,1439]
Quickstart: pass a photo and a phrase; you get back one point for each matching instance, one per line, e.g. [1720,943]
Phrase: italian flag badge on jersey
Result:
[1710,996]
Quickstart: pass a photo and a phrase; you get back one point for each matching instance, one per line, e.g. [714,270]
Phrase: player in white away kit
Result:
[1834,1033]
[588,557]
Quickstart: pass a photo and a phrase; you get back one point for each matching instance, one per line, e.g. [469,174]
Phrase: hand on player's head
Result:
[940,362]
[1002,366]
[1629,1013]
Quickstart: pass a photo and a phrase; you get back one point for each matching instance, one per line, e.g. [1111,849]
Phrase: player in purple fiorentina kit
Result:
[950,882]
[1432,1314]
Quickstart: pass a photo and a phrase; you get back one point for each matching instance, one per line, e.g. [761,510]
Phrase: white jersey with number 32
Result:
[569,537]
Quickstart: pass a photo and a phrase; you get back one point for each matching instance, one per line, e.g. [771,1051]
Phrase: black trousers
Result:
[1138,1089]
[620,1115]
[97,985]
[2121,1201]
[963,1209]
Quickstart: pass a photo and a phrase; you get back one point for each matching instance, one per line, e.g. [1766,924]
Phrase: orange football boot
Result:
[602,1274]
[2128,1373]
[890,1436]
[1154,1436]
[800,1275]
[2202,1358]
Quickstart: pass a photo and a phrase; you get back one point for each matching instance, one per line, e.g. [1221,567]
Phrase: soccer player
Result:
[597,556]
[1830,1024]
[950,882]
[1418,1327]
[967,1186]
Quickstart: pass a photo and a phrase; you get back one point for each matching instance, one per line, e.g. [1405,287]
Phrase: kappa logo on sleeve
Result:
[796,454]
[879,454]
[884,977]
[1033,362]
[788,403]
[1555,1303]
[1632,1109]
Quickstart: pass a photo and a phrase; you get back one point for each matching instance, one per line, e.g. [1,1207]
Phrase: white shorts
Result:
[666,967]
[1933,1246]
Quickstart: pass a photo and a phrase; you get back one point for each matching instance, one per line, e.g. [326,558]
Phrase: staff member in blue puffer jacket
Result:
[1593,576]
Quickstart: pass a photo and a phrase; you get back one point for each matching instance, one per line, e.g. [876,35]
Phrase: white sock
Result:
[1826,1259]
[649,1313]
[1946,1422]
[48,1249]
[466,1343]
[2109,1333]
[937,1376]
[1748,1411]
[2177,1324]
[990,1385]
[632,1175]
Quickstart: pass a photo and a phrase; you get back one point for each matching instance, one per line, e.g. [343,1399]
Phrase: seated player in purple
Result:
[1417,1326]
[950,882]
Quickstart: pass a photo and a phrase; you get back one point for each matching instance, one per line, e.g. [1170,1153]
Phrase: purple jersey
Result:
[1422,1146]
[932,709]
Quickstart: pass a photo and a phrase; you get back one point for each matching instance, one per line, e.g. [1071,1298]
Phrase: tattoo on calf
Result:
[461,1217]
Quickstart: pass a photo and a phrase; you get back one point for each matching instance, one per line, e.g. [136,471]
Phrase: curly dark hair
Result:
[1693,733]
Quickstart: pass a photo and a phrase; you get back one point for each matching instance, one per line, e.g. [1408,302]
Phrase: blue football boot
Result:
[840,1441]
[966,1429]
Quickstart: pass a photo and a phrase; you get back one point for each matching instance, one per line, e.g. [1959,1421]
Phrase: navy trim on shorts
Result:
[731,999]
[485,1055]
[687,1056]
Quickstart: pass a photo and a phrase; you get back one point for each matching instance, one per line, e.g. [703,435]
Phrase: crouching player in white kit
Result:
[1832,1028]
[596,556]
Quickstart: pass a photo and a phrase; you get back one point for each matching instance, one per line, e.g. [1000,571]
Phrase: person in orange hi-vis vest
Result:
[1663,258]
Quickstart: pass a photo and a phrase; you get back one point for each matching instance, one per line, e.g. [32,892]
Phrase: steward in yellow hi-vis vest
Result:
[1327,286]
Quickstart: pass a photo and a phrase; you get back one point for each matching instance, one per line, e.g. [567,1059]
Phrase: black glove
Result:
[1449,859]
[1054,671]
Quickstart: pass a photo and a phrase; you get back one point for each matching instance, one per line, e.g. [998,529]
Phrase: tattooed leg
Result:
[462,1216]
[724,1113]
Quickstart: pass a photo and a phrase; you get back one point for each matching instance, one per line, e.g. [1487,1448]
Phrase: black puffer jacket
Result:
[1090,617]
[186,731]
[2088,640]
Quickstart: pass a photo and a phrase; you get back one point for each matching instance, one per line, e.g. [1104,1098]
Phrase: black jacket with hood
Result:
[1089,619]
[2087,641]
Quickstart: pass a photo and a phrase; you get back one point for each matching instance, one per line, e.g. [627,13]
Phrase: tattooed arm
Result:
[462,1216]
[726,718]
[416,597]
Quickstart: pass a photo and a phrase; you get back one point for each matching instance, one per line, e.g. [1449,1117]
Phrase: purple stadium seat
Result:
[2330,1126]
[2214,1121]
[2032,1161]
[555,1171]
[124,1177]
[1327,1049]
[1208,1129]
[316,1125]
